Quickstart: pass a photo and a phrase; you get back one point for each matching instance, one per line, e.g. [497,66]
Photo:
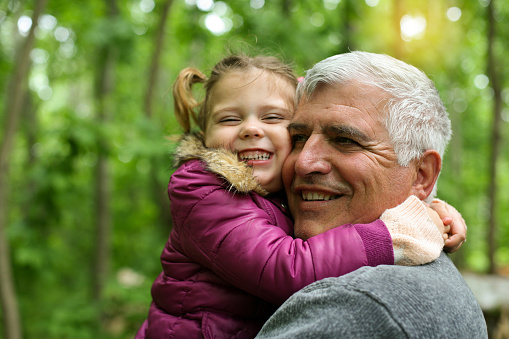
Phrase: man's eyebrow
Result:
[296,127]
[348,131]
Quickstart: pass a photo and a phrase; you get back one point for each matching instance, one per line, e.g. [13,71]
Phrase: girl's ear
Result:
[428,169]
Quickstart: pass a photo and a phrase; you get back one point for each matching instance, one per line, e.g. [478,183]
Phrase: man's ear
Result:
[428,167]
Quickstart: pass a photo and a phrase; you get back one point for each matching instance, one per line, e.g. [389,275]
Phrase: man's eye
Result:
[345,141]
[298,138]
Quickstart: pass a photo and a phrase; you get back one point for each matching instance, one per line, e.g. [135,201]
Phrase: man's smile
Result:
[318,196]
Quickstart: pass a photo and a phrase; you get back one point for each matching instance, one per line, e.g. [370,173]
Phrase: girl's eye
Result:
[229,120]
[273,117]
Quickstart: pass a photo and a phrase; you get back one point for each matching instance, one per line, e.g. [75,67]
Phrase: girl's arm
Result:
[236,236]
[416,242]
[417,237]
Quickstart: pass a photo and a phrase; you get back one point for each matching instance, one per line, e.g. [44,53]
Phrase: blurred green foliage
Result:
[51,221]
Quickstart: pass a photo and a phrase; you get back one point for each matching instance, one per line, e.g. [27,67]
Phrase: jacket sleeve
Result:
[237,238]
[416,239]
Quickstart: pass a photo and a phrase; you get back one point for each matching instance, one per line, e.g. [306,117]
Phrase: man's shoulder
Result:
[424,301]
[434,287]
[385,277]
[411,294]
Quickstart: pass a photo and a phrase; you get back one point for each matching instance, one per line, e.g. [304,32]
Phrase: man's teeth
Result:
[311,196]
[257,156]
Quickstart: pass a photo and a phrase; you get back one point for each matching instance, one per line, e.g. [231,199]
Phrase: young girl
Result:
[231,258]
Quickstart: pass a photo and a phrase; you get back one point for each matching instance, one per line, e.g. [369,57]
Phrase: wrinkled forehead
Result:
[355,94]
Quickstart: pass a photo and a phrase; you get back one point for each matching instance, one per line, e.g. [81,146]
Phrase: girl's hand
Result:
[457,233]
[437,220]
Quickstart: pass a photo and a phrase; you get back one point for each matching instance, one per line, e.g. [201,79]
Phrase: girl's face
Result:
[248,113]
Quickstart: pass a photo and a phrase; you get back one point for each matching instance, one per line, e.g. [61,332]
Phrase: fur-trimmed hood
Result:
[220,161]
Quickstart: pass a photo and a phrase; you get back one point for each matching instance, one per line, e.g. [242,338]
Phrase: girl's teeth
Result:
[264,156]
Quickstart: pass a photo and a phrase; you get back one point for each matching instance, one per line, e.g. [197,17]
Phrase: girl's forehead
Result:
[242,77]
[249,75]
[246,76]
[239,79]
[237,83]
[273,81]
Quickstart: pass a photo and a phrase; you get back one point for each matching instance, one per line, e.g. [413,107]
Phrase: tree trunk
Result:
[286,7]
[346,44]
[398,43]
[455,154]
[13,107]
[105,80]
[493,73]
[154,65]
[158,191]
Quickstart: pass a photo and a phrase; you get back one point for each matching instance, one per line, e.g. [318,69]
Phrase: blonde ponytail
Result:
[184,100]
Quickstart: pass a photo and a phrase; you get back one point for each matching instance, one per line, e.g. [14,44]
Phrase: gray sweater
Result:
[428,301]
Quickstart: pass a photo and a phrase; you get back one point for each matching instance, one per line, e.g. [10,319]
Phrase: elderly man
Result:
[369,132]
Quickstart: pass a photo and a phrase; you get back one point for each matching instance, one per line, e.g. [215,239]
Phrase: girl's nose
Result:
[251,130]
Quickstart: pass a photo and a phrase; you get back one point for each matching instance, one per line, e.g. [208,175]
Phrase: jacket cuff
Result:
[377,243]
[416,239]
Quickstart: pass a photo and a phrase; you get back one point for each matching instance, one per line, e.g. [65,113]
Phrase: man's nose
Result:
[251,129]
[313,158]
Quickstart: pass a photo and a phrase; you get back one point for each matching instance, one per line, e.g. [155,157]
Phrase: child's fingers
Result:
[445,235]
[436,220]
[453,243]
[458,225]
[452,218]
[458,235]
[447,220]
[441,208]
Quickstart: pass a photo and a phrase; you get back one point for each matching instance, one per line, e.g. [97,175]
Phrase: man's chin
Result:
[302,235]
[306,230]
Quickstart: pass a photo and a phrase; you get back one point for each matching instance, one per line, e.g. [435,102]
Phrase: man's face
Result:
[343,168]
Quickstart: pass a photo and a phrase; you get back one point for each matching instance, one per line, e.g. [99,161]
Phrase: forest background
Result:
[87,131]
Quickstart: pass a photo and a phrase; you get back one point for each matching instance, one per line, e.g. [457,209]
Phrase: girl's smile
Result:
[249,113]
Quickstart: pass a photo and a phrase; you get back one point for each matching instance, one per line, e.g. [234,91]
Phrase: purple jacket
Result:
[231,258]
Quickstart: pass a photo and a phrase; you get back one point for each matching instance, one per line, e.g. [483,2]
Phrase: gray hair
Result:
[416,118]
